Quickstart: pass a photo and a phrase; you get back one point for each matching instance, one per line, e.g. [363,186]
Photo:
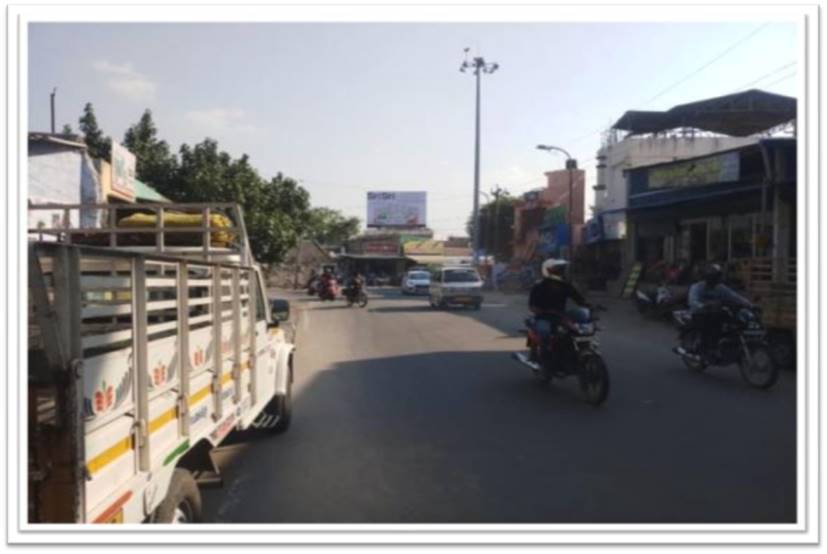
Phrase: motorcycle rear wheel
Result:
[760,371]
[362,301]
[594,379]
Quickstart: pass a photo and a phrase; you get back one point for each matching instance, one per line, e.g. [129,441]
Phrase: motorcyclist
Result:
[705,300]
[355,283]
[547,299]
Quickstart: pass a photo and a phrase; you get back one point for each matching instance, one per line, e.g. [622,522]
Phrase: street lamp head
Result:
[542,147]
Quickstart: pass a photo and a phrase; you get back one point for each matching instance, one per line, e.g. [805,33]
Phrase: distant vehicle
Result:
[416,282]
[452,286]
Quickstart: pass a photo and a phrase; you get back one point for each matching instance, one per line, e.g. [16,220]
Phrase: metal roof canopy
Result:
[740,115]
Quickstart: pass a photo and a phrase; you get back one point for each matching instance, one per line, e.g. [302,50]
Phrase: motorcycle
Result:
[742,341]
[573,350]
[329,290]
[355,294]
[658,303]
[313,287]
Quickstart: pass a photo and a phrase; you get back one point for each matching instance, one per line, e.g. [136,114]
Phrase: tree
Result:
[496,225]
[328,226]
[67,130]
[155,165]
[97,145]
[275,211]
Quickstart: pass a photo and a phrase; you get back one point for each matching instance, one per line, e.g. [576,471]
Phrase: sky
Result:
[347,108]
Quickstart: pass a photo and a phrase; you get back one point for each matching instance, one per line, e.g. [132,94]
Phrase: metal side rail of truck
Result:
[150,340]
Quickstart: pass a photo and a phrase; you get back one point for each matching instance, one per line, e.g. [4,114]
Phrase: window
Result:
[261,309]
[460,276]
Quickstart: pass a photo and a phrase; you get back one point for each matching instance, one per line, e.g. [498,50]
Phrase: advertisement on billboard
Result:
[123,172]
[396,209]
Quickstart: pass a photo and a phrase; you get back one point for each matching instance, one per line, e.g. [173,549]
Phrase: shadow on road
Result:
[471,437]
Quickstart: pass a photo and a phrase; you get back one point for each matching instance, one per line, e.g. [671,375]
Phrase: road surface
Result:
[405,414]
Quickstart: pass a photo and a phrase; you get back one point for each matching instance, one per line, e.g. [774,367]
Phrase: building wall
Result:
[60,174]
[616,157]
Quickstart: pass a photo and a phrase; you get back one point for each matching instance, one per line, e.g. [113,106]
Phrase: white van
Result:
[451,286]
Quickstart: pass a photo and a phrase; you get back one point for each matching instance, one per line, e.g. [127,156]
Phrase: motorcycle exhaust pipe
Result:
[681,351]
[523,359]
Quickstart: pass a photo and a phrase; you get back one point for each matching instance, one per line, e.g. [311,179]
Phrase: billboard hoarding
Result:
[396,209]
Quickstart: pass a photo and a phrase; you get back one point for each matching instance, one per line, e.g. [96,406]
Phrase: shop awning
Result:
[741,114]
[439,260]
[689,194]
[145,193]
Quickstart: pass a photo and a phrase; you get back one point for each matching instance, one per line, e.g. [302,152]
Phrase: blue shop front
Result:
[721,207]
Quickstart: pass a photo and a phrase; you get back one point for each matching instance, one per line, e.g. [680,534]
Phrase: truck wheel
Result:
[182,504]
[275,417]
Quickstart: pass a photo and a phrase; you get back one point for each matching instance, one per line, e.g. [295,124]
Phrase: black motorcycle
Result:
[742,341]
[355,294]
[573,350]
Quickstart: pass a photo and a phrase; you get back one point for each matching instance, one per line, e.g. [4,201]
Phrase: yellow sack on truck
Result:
[178,219]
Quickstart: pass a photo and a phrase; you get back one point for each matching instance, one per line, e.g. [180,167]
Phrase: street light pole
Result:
[571,165]
[479,66]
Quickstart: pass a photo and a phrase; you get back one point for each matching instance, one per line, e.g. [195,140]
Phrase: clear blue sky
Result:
[348,108]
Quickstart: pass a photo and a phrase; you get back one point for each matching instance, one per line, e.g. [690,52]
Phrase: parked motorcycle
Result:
[355,294]
[658,303]
[573,350]
[743,341]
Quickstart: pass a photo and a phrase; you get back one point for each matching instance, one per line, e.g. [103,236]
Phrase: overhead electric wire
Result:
[707,64]
[771,73]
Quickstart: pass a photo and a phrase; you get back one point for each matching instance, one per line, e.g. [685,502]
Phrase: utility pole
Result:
[52,103]
[496,193]
[477,66]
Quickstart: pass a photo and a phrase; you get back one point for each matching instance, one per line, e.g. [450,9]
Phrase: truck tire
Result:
[276,416]
[182,504]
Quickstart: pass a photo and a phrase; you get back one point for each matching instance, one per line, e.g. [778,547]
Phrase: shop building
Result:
[696,131]
[722,207]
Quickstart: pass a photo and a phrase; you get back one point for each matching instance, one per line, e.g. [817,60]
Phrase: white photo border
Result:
[13,275]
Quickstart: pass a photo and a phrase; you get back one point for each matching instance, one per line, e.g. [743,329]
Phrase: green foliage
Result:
[331,227]
[496,226]
[97,145]
[277,212]
[155,165]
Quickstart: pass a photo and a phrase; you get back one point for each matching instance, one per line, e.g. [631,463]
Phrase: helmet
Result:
[713,275]
[553,265]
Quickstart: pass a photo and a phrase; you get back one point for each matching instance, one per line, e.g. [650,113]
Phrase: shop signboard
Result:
[722,168]
[123,172]
[381,247]
[396,209]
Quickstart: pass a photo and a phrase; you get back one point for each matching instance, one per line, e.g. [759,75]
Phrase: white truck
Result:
[150,340]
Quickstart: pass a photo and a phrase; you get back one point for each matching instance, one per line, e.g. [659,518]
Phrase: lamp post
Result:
[571,165]
[477,66]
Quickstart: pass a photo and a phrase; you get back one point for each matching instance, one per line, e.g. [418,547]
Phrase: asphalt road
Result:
[405,414]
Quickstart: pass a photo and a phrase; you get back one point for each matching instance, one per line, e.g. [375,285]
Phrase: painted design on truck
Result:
[198,358]
[159,375]
[104,395]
